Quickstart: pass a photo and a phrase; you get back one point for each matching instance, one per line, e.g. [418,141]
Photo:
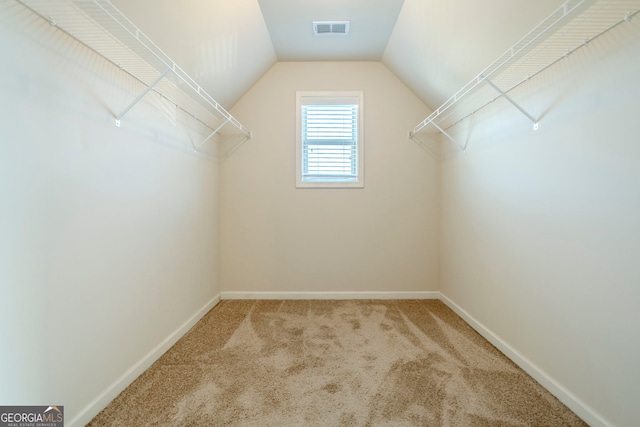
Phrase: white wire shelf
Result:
[100,26]
[571,26]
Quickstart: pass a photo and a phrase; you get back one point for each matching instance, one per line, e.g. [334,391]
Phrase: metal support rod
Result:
[447,135]
[422,145]
[142,95]
[236,146]
[514,103]
[211,135]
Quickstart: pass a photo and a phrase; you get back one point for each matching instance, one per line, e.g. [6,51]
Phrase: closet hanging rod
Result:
[626,17]
[513,52]
[101,27]
[570,27]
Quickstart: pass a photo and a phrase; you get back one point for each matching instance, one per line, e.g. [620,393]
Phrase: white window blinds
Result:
[329,139]
[330,142]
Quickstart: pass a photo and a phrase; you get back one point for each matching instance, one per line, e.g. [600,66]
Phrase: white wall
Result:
[108,236]
[442,30]
[224,45]
[541,230]
[277,238]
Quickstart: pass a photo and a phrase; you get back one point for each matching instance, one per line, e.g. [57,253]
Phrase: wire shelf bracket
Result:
[211,135]
[514,103]
[139,97]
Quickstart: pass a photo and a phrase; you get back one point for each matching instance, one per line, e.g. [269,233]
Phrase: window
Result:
[329,140]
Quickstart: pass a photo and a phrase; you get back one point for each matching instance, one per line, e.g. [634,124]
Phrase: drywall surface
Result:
[108,236]
[463,36]
[541,229]
[381,238]
[224,45]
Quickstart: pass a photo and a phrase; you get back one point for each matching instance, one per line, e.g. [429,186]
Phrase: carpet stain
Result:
[385,326]
[334,363]
[332,388]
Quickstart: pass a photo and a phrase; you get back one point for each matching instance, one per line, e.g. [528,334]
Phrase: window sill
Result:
[330,184]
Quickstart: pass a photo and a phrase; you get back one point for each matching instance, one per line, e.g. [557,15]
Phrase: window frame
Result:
[330,98]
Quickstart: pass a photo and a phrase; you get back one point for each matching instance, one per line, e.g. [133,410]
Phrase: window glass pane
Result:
[329,152]
[329,139]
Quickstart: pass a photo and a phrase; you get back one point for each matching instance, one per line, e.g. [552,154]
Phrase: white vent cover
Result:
[326,28]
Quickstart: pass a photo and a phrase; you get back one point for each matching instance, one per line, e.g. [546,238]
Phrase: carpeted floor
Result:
[334,363]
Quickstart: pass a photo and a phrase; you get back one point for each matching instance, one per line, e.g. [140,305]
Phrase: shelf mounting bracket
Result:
[244,139]
[211,134]
[424,146]
[142,95]
[452,139]
[514,103]
[441,130]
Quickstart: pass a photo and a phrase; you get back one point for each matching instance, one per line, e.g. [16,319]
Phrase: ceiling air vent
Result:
[326,28]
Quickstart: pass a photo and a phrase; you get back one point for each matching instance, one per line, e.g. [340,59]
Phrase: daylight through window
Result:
[329,140]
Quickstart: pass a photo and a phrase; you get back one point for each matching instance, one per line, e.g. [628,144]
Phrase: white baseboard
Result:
[329,295]
[100,402]
[579,407]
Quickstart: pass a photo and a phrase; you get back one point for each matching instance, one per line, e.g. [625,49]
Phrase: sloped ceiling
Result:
[433,46]
[223,44]
[438,46]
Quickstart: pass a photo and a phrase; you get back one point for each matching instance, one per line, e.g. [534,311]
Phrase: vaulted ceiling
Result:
[433,46]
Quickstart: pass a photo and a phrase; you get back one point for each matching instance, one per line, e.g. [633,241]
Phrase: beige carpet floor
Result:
[334,363]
